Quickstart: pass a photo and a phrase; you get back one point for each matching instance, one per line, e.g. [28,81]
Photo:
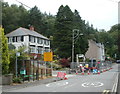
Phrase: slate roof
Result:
[23,31]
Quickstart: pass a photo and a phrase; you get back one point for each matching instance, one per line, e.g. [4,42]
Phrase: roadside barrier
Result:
[61,75]
[94,71]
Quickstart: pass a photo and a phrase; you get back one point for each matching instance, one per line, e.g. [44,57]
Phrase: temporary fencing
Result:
[62,75]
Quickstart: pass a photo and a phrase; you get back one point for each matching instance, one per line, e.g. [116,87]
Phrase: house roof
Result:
[23,31]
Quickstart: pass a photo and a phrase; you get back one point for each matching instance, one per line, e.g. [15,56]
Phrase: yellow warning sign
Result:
[48,56]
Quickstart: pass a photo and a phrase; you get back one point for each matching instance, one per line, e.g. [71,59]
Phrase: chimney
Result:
[31,28]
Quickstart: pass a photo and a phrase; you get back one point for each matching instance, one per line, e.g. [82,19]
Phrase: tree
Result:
[23,56]
[35,19]
[81,42]
[115,34]
[63,32]
[5,53]
[13,17]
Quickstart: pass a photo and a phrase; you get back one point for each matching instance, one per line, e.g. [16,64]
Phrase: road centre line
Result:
[114,89]
[106,91]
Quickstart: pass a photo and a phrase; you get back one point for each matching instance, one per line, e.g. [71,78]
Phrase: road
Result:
[104,82]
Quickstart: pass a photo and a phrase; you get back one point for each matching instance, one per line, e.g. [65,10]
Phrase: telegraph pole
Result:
[119,29]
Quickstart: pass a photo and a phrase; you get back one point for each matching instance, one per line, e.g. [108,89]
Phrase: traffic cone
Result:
[88,72]
[98,72]
[104,70]
[82,70]
[82,73]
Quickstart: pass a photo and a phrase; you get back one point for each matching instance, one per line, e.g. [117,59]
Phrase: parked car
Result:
[118,61]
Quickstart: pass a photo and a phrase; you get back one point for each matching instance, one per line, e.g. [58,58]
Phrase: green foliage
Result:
[11,46]
[115,34]
[17,80]
[23,56]
[13,17]
[63,32]
[59,29]
[81,42]
[5,53]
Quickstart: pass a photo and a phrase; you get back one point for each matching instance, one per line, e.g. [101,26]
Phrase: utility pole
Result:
[73,42]
[118,29]
[73,46]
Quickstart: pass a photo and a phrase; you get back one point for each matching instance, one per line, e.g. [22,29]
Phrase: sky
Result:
[101,13]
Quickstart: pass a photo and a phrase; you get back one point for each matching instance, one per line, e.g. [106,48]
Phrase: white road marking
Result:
[106,91]
[57,84]
[114,88]
[93,84]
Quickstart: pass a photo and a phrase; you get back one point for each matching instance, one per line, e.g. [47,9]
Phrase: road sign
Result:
[48,56]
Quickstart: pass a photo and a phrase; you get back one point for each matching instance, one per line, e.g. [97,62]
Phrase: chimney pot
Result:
[31,28]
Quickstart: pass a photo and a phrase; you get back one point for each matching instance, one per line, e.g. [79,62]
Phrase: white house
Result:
[35,42]
[95,51]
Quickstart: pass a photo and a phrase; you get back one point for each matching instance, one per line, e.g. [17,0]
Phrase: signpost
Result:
[48,57]
[16,65]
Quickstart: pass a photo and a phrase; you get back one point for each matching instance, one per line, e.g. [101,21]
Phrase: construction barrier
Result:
[94,71]
[61,75]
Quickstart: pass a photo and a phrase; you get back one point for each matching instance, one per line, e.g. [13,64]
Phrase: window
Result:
[32,39]
[40,50]
[32,49]
[45,42]
[9,39]
[18,39]
[47,49]
[39,41]
[14,39]
[22,38]
[48,42]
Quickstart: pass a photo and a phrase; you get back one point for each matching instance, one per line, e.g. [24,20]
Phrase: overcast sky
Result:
[101,13]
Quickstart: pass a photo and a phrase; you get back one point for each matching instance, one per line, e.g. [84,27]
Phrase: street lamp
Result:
[73,41]
[16,65]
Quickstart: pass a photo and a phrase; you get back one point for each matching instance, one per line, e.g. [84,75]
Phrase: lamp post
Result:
[16,66]
[73,42]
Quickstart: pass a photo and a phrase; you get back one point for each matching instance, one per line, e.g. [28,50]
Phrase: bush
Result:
[65,62]
[17,80]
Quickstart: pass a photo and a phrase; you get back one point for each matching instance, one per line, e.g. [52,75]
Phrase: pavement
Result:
[32,83]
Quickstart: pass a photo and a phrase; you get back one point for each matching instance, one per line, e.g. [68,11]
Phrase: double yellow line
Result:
[105,91]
